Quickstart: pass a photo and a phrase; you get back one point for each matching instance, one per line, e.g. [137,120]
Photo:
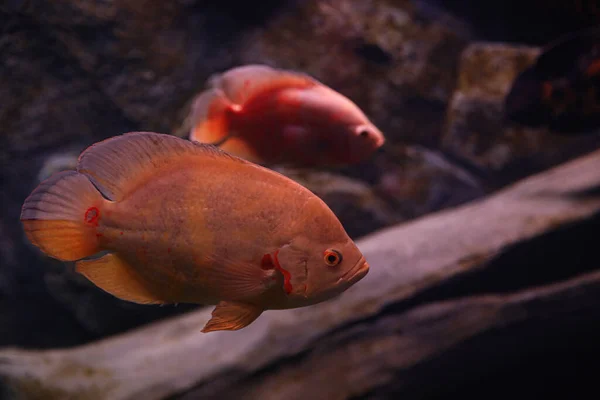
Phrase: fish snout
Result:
[370,135]
[362,271]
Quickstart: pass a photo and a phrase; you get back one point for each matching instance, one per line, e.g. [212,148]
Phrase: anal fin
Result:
[113,275]
[231,316]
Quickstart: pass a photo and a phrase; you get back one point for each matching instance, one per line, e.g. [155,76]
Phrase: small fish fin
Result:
[238,281]
[115,276]
[118,164]
[231,316]
[242,83]
[61,215]
[210,117]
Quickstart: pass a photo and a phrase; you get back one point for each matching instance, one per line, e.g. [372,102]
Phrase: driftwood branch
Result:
[435,284]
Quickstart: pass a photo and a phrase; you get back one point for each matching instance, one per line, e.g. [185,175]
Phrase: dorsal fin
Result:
[117,164]
[242,83]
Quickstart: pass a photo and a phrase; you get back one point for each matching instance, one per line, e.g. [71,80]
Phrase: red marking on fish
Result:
[121,233]
[169,250]
[266,262]
[92,215]
[593,68]
[287,285]
[99,235]
[546,90]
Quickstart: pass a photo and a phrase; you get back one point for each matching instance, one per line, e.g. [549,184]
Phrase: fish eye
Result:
[332,257]
[364,133]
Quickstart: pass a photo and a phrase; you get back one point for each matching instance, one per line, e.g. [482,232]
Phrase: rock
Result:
[476,131]
[512,20]
[147,59]
[495,274]
[48,104]
[417,181]
[59,162]
[8,256]
[399,355]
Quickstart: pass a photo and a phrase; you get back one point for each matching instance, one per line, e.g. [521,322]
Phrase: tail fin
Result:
[211,113]
[61,216]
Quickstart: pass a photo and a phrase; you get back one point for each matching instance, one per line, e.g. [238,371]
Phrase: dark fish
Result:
[561,89]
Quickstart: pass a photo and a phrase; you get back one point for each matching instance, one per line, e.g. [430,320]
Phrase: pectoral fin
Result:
[231,316]
[239,281]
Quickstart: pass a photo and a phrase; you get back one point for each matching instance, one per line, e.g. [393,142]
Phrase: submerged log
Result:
[436,284]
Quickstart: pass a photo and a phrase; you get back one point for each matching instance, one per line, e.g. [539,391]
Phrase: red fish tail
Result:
[211,114]
[61,216]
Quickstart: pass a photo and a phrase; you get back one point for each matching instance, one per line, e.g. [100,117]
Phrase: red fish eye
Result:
[332,257]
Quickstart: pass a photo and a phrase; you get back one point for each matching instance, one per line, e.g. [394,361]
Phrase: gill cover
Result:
[292,261]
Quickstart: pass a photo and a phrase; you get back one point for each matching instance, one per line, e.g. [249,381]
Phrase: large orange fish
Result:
[185,222]
[271,116]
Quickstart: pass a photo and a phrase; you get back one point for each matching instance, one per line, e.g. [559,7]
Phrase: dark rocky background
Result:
[431,74]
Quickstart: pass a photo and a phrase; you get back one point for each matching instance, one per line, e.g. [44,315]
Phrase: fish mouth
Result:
[373,135]
[379,141]
[357,272]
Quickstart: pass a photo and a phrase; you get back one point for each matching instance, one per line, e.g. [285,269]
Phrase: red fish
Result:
[271,116]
